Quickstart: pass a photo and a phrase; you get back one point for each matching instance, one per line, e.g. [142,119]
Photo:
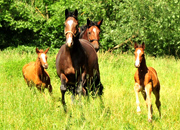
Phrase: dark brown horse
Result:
[35,73]
[76,62]
[91,33]
[146,81]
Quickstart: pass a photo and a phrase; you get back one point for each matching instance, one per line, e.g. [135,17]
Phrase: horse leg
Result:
[63,88]
[148,90]
[157,95]
[137,89]
[50,89]
[80,86]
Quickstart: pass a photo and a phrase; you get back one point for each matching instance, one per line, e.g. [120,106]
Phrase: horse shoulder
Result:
[28,70]
[136,76]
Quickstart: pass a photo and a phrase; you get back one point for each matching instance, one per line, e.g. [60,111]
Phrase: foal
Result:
[35,73]
[91,33]
[146,81]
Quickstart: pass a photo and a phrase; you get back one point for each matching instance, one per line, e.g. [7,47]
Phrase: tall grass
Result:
[22,108]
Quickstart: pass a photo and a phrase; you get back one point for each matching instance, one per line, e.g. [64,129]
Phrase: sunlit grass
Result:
[22,108]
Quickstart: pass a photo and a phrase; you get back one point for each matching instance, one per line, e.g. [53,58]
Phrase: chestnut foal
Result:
[146,81]
[35,73]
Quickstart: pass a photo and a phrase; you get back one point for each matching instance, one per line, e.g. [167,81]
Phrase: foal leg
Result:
[137,89]
[157,95]
[148,90]
[50,89]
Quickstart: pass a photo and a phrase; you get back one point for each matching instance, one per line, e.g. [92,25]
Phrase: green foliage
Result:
[41,23]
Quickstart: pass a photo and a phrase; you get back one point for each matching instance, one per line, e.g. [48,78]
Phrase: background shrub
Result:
[41,23]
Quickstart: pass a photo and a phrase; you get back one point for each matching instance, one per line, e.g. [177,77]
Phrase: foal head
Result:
[93,33]
[139,54]
[71,27]
[42,57]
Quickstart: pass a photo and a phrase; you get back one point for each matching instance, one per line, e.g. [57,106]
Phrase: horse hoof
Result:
[149,120]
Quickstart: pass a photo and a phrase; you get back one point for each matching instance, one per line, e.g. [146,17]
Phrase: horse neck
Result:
[39,68]
[143,68]
[76,46]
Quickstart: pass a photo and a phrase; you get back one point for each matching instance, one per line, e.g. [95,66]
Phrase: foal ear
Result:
[135,45]
[46,50]
[143,45]
[100,22]
[37,50]
[66,13]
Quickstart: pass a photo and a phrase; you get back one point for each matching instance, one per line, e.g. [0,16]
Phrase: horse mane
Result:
[82,30]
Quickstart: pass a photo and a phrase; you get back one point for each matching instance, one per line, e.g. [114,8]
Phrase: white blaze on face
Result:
[43,57]
[70,22]
[94,30]
[137,62]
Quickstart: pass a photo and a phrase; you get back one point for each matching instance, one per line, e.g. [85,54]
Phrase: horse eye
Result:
[89,32]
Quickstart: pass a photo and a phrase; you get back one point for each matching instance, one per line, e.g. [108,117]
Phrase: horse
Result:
[34,73]
[146,81]
[76,62]
[91,33]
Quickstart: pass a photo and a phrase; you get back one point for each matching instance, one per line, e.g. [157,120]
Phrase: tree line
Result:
[41,23]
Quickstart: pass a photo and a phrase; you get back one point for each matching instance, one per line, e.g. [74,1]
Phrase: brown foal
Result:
[35,73]
[146,81]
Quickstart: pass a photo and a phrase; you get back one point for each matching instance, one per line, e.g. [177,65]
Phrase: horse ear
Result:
[66,13]
[143,45]
[88,22]
[46,50]
[76,12]
[37,50]
[100,22]
[135,45]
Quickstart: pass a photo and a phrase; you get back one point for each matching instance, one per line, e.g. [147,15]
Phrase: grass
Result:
[21,108]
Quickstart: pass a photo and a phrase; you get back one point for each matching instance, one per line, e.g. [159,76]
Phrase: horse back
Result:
[92,57]
[28,71]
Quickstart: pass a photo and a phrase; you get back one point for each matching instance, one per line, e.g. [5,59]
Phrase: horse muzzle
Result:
[45,66]
[69,42]
[137,65]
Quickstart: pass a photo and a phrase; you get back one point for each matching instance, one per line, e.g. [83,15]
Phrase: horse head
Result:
[42,57]
[139,54]
[71,27]
[94,32]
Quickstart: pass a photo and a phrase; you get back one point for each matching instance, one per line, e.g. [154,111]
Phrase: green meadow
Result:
[22,108]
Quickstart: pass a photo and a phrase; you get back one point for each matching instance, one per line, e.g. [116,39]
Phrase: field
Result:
[22,108]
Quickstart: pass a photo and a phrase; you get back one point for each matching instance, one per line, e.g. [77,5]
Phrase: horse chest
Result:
[143,79]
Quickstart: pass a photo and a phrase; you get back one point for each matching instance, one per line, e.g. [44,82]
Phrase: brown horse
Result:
[91,33]
[76,61]
[35,73]
[146,81]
